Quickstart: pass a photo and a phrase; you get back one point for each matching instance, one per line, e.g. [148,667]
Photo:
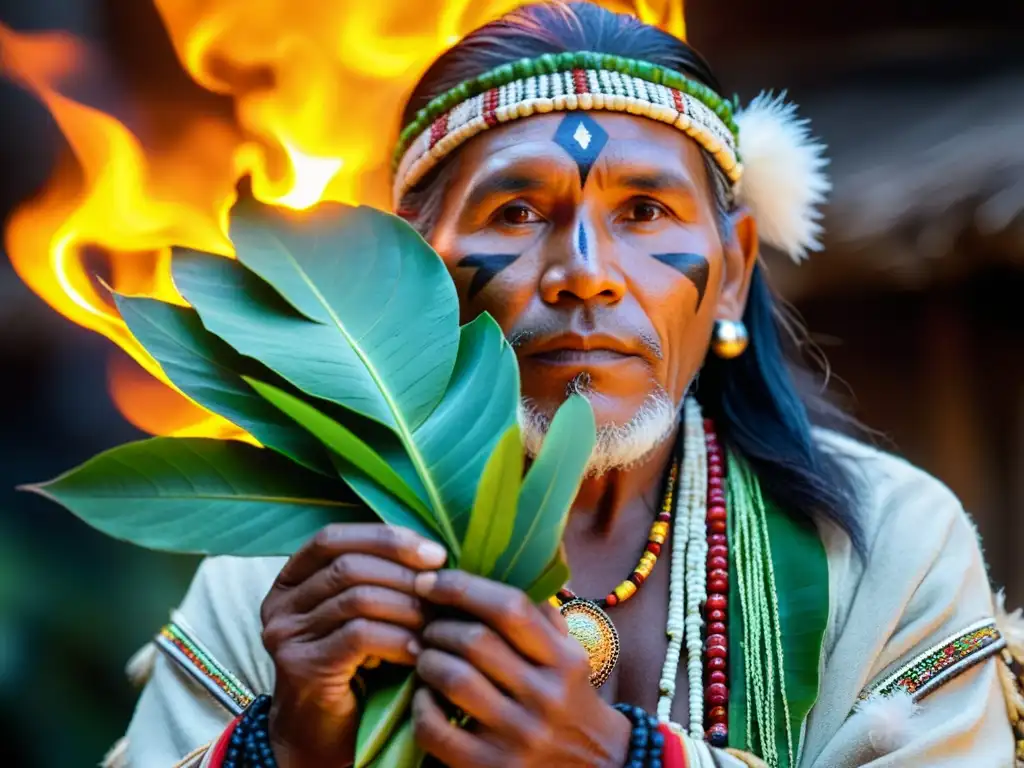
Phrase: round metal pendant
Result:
[595,632]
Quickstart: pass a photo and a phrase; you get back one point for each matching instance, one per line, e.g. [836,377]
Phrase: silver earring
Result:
[729,339]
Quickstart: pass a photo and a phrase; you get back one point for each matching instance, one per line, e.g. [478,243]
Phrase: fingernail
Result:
[414,647]
[425,582]
[432,553]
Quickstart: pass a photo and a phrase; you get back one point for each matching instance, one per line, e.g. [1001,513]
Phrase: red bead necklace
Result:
[716,654]
[716,631]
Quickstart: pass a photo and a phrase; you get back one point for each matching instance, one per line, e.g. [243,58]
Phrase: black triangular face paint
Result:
[583,138]
[693,265]
[487,266]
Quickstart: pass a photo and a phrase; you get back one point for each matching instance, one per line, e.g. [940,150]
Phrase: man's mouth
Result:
[567,356]
[577,349]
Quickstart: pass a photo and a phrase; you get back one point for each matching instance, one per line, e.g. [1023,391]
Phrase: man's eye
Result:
[517,215]
[644,211]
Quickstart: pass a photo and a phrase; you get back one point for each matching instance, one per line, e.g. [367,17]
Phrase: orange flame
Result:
[314,86]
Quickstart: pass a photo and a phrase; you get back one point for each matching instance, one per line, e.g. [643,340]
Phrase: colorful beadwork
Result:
[190,655]
[249,745]
[588,622]
[716,649]
[655,538]
[646,742]
[560,83]
[943,661]
[557,64]
[595,632]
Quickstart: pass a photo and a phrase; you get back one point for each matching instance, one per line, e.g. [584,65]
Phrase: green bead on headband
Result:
[559,83]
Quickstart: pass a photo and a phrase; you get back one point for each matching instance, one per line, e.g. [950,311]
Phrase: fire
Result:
[314,87]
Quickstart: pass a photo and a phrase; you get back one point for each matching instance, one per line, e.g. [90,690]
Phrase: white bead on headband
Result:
[765,152]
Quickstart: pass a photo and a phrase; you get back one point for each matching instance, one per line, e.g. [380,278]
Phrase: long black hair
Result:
[758,408]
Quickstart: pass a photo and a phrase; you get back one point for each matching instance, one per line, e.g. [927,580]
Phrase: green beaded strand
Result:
[773,594]
[764,656]
[746,555]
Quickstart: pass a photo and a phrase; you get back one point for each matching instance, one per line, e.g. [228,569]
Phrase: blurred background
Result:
[915,301]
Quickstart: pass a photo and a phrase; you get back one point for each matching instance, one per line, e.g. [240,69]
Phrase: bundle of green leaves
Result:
[334,342]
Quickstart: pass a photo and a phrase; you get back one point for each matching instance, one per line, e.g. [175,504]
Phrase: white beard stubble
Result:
[618,446]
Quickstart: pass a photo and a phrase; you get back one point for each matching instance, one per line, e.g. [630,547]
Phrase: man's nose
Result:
[582,268]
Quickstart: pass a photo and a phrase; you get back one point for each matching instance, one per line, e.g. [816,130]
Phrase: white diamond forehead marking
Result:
[582,136]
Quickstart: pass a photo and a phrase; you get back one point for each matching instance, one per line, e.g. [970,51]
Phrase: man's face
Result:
[593,241]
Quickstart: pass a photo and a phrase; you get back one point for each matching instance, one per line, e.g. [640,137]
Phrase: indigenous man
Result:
[773,593]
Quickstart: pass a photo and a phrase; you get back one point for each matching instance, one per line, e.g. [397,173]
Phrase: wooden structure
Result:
[915,300]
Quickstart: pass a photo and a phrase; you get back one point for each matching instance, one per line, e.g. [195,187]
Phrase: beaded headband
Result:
[779,178]
[560,83]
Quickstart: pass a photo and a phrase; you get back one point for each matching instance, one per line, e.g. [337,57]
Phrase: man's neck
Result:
[606,497]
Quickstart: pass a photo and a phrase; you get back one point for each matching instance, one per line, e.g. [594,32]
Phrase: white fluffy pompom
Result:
[784,180]
[1011,625]
[140,666]
[117,757]
[888,720]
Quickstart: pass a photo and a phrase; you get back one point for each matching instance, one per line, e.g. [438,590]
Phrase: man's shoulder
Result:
[234,585]
[921,552]
[895,498]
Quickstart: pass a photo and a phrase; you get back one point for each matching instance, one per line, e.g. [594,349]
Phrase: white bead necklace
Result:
[687,584]
[696,571]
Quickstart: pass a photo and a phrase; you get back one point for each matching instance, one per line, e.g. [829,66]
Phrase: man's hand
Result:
[344,599]
[513,668]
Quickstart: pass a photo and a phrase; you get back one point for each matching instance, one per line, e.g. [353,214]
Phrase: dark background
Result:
[916,303]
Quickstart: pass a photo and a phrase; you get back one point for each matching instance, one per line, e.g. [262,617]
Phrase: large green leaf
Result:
[369,278]
[385,341]
[203,496]
[207,370]
[548,583]
[388,508]
[456,441]
[547,494]
[447,450]
[494,511]
[345,443]
[385,708]
[248,314]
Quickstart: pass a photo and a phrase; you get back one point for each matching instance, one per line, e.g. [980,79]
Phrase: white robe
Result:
[923,581]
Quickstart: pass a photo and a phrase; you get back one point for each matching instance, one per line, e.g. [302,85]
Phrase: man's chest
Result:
[643,646]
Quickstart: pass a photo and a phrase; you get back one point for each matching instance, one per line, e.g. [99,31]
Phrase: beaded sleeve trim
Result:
[942,662]
[190,655]
[563,83]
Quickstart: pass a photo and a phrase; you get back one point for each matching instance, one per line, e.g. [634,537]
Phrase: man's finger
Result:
[472,693]
[482,647]
[343,573]
[363,601]
[453,746]
[389,542]
[505,609]
[351,645]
